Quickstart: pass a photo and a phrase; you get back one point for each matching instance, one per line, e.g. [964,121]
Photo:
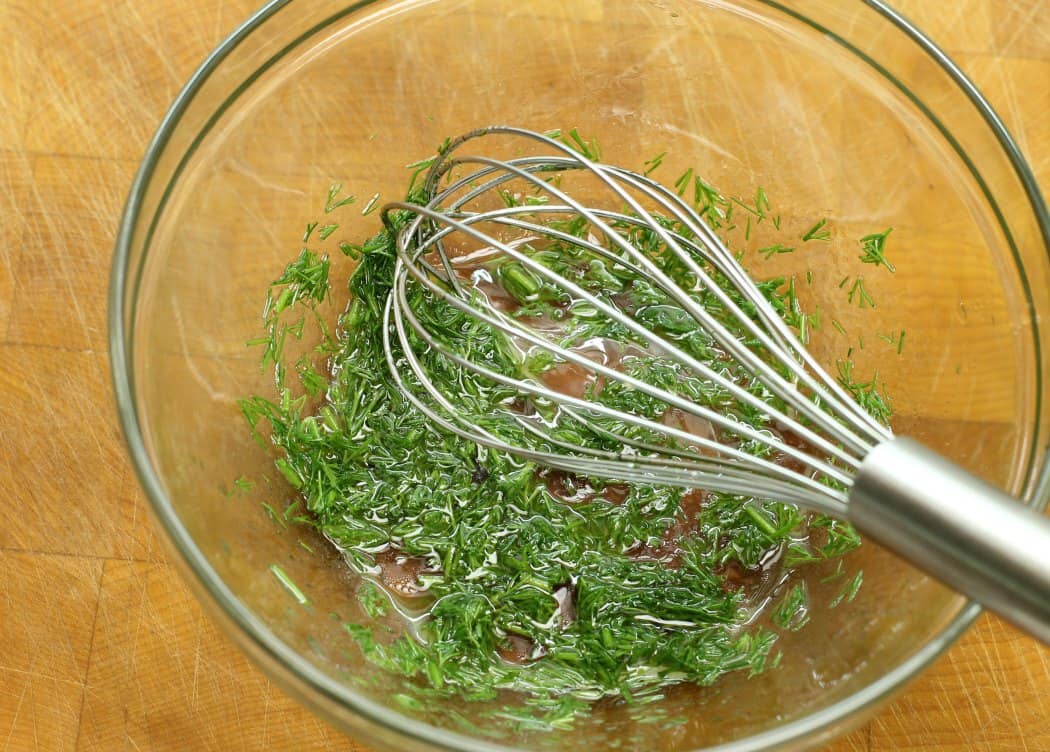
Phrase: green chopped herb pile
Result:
[618,591]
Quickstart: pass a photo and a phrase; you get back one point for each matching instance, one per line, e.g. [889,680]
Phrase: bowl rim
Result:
[277,660]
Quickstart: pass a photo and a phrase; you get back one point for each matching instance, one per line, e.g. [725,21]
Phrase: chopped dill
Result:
[793,610]
[849,592]
[373,202]
[874,249]
[289,585]
[499,551]
[420,165]
[868,394]
[710,204]
[761,201]
[508,198]
[817,232]
[655,162]
[776,248]
[895,339]
[272,514]
[373,600]
[860,294]
[334,202]
[840,570]
[683,182]
[587,149]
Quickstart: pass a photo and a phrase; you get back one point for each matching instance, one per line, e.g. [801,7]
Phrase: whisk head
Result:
[585,317]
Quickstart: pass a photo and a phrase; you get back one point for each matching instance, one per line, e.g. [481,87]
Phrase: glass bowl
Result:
[835,109]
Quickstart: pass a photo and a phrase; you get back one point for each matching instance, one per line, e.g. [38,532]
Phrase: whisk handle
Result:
[958,528]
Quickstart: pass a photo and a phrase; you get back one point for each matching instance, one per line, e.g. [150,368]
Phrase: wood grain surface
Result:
[101,646]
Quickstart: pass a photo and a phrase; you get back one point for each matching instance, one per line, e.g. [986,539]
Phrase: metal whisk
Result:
[825,452]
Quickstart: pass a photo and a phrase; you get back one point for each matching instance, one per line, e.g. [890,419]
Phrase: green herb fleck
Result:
[859,294]
[655,162]
[684,181]
[373,202]
[817,232]
[793,610]
[587,149]
[874,249]
[334,202]
[776,248]
[373,600]
[896,339]
[849,592]
[290,586]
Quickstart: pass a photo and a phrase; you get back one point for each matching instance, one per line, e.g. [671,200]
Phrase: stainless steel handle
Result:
[958,528]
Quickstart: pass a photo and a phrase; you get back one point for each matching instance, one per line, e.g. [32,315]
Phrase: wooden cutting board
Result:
[101,646]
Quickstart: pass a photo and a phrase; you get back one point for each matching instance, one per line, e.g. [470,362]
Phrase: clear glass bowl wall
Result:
[834,109]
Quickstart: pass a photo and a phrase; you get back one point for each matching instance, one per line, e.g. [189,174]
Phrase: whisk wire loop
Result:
[509,326]
[826,420]
[844,407]
[716,254]
[626,467]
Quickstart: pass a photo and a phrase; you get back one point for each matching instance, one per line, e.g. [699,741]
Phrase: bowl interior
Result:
[747,94]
